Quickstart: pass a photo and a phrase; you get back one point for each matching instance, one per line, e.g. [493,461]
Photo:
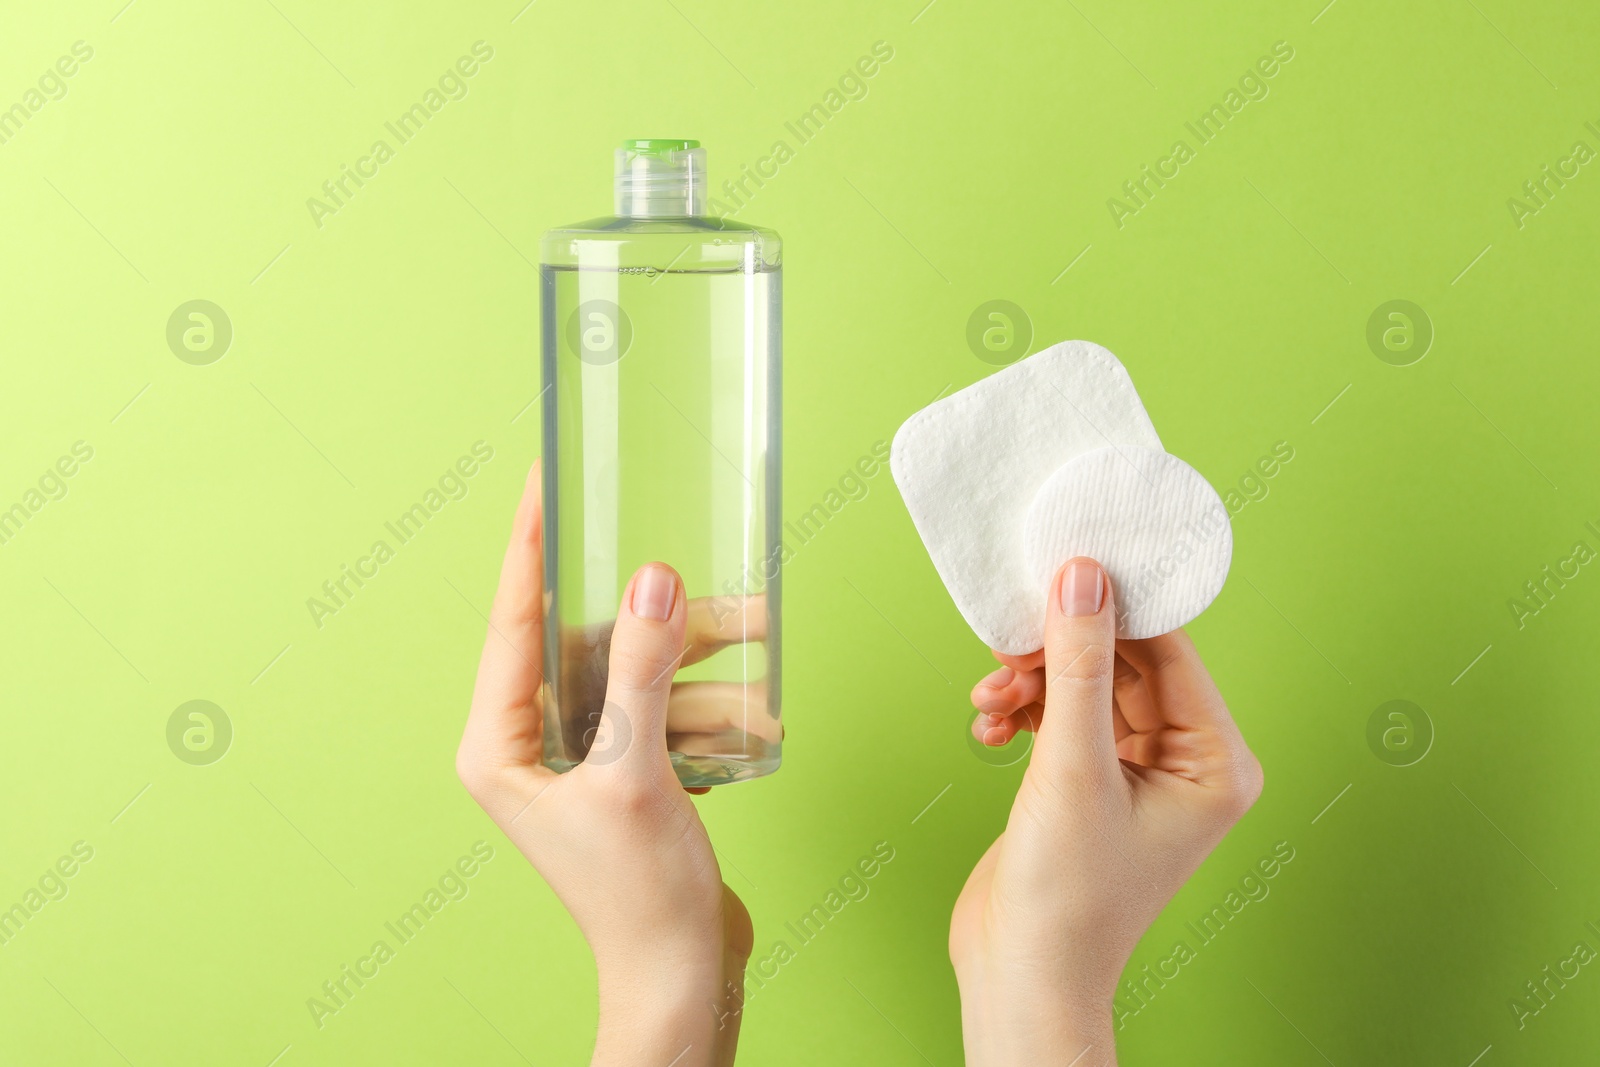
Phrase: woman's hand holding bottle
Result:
[617,838]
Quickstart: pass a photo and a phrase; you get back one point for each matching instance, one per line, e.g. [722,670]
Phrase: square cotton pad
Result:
[970,465]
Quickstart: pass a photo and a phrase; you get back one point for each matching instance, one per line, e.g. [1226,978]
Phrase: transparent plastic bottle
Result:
[660,336]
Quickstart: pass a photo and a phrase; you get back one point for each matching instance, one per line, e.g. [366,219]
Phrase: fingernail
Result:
[994,736]
[999,679]
[654,590]
[1081,588]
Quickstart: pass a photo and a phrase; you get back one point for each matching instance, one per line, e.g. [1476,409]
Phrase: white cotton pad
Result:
[1151,520]
[969,466]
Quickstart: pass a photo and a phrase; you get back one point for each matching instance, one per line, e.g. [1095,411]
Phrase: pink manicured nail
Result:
[654,590]
[1081,588]
[999,679]
[994,736]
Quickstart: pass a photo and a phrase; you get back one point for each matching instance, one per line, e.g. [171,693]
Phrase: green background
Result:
[369,353]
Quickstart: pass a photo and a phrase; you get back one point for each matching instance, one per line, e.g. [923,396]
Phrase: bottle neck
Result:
[659,182]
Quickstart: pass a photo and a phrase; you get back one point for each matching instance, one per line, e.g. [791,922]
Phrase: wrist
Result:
[681,1011]
[1035,1019]
[647,1019]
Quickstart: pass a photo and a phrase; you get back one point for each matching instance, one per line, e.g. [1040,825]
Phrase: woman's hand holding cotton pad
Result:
[1051,458]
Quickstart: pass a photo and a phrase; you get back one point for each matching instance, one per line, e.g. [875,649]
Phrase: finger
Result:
[504,723]
[1009,702]
[1119,726]
[1077,739]
[646,647]
[994,708]
[1145,750]
[1008,688]
[1186,698]
[1182,690]
[1031,661]
[715,707]
[998,729]
[716,622]
[1133,696]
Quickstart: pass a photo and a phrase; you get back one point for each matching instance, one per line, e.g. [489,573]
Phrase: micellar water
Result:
[661,338]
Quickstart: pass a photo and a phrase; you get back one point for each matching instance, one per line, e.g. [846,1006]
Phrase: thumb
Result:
[1077,740]
[646,647]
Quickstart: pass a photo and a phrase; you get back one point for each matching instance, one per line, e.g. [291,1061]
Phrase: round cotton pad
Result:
[1156,526]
